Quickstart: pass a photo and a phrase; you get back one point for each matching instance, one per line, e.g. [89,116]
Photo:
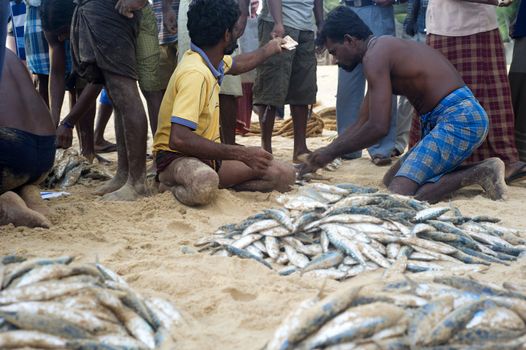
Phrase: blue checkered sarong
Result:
[18,18]
[451,132]
[37,51]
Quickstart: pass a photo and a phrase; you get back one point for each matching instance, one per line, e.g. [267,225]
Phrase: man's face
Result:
[345,53]
[232,43]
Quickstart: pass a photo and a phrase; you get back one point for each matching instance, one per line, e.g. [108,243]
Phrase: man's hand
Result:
[278,31]
[383,3]
[315,161]
[170,20]
[274,46]
[126,7]
[256,158]
[64,137]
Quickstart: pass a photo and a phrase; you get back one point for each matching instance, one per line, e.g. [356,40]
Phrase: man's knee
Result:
[201,189]
[282,175]
[403,186]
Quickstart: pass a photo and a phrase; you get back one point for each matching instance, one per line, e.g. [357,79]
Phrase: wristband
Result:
[67,124]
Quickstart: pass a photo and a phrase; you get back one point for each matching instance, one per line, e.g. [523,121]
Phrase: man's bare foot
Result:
[490,175]
[105,147]
[515,171]
[111,186]
[125,193]
[13,210]
[31,196]
[300,156]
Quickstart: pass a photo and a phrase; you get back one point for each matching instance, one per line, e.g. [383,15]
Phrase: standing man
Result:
[289,78]
[466,33]
[517,78]
[378,15]
[104,42]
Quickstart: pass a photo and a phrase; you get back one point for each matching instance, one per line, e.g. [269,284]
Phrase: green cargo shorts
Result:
[147,52]
[289,77]
[167,63]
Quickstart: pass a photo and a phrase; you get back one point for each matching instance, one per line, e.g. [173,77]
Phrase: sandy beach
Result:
[228,303]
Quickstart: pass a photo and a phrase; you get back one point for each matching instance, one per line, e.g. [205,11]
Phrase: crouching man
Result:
[454,123]
[191,162]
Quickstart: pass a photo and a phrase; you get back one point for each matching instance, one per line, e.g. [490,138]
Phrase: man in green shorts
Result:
[289,78]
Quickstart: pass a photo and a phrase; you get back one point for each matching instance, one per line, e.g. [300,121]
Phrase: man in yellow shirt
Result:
[191,161]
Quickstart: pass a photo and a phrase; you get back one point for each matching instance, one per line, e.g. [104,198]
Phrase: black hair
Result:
[56,14]
[340,21]
[208,20]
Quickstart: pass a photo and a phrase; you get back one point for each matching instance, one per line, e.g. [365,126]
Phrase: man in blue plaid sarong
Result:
[454,123]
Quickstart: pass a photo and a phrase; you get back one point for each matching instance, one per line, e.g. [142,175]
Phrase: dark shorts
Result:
[24,158]
[164,158]
[103,41]
[450,134]
[290,77]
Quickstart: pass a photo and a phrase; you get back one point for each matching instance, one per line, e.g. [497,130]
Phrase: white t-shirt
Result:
[297,14]
[459,18]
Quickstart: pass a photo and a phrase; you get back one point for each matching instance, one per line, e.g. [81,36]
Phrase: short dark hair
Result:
[209,19]
[56,14]
[340,21]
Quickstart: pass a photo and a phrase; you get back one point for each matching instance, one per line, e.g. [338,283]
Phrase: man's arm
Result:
[184,140]
[242,21]
[491,2]
[247,61]
[277,14]
[318,13]
[170,16]
[57,82]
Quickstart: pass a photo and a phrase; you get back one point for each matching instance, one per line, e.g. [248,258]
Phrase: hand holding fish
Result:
[314,161]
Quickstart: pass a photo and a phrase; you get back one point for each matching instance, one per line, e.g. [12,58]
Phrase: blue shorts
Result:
[104,99]
[450,134]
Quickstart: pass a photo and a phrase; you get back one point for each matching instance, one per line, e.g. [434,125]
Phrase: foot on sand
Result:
[490,175]
[111,186]
[300,157]
[105,147]
[31,196]
[14,210]
[515,172]
[127,193]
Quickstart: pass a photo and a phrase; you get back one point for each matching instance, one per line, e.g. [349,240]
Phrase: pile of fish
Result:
[70,167]
[57,304]
[444,313]
[341,231]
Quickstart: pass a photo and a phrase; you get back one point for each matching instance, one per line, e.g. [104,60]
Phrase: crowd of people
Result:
[438,100]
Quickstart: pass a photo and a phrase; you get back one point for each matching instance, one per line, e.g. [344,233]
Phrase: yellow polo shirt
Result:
[192,98]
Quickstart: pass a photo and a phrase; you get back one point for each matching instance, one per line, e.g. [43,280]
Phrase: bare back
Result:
[21,107]
[416,71]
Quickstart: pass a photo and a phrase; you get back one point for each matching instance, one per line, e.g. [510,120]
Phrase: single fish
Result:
[330,189]
[247,240]
[430,214]
[42,291]
[325,261]
[426,318]
[282,217]
[20,339]
[347,246]
[272,246]
[356,189]
[50,272]
[392,250]
[45,324]
[164,311]
[373,255]
[259,226]
[245,254]
[295,258]
[430,245]
[28,265]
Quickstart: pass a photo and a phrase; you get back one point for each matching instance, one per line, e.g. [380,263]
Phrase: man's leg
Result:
[31,196]
[85,129]
[153,103]
[267,116]
[191,181]
[13,210]
[299,117]
[131,137]
[228,118]
[349,97]
[489,174]
[279,176]
[403,124]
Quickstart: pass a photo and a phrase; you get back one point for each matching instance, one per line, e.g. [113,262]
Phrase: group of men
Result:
[190,160]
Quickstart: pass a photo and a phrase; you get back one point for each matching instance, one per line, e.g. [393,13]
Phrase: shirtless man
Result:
[27,147]
[191,162]
[454,123]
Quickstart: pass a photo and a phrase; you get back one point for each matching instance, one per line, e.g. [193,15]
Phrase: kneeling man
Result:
[453,122]
[190,160]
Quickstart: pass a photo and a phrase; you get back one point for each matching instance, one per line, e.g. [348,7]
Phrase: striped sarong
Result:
[18,18]
[480,60]
[37,50]
[451,131]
